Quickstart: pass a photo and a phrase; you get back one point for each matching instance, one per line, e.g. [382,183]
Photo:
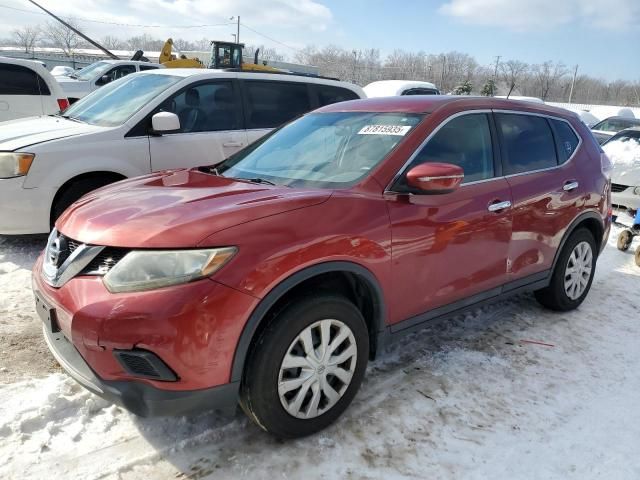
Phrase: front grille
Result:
[103,262]
[142,363]
[617,187]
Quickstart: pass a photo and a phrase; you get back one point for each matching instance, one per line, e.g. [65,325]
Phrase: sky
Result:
[601,36]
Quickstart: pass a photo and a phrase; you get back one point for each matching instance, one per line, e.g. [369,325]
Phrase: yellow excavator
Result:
[169,60]
[228,56]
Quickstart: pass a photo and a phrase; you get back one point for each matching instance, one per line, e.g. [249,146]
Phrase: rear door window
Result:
[19,80]
[567,139]
[464,141]
[270,104]
[527,143]
[328,94]
[148,67]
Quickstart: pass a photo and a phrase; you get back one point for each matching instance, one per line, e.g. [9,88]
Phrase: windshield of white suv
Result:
[115,103]
[92,71]
[322,150]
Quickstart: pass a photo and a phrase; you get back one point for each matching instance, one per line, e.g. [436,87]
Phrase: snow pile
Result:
[506,391]
[624,152]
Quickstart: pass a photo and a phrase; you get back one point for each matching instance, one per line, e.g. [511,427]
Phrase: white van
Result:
[81,83]
[28,89]
[147,121]
[394,88]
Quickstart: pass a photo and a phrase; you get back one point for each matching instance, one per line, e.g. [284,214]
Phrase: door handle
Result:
[570,185]
[497,206]
[232,144]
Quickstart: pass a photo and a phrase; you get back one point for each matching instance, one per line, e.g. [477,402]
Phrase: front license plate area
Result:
[47,314]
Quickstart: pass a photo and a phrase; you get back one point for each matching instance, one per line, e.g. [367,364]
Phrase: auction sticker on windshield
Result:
[400,130]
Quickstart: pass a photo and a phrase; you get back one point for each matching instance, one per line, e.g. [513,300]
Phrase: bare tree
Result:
[63,37]
[512,73]
[113,43]
[27,36]
[546,76]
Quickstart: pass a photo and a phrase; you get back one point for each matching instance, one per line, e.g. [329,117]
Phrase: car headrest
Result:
[192,98]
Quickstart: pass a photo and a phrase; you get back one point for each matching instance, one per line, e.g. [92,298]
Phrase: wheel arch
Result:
[592,221]
[360,282]
[109,175]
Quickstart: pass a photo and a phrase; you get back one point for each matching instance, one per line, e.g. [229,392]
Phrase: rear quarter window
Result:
[567,139]
[328,94]
[19,80]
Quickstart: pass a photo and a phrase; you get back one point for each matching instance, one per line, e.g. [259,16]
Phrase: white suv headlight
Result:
[15,164]
[148,269]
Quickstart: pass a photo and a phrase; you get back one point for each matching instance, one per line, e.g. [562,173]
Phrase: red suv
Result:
[271,278]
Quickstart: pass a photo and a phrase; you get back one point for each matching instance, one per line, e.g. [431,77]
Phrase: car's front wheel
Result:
[572,277]
[306,366]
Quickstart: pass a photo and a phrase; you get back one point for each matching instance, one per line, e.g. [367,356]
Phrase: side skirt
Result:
[527,284]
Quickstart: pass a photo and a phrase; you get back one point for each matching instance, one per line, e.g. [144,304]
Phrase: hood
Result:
[20,133]
[176,209]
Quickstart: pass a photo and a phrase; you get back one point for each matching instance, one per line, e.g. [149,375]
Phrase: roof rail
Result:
[297,74]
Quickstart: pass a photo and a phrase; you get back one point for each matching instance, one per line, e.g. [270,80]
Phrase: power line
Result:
[272,39]
[82,19]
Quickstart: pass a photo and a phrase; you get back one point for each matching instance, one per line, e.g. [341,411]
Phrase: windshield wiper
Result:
[259,180]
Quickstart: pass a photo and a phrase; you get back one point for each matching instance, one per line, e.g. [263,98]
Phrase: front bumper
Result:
[626,199]
[22,210]
[142,399]
[193,328]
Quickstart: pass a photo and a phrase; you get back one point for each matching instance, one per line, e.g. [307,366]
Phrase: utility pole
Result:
[237,34]
[444,64]
[573,82]
[495,75]
[92,42]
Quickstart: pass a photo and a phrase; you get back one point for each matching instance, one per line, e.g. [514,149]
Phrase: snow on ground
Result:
[468,398]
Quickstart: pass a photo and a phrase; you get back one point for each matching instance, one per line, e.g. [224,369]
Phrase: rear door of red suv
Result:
[450,247]
[537,159]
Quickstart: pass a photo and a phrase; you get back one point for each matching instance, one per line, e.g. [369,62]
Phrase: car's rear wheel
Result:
[638,256]
[572,277]
[306,366]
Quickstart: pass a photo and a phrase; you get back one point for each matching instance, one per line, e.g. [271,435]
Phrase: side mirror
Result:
[165,122]
[435,178]
[104,79]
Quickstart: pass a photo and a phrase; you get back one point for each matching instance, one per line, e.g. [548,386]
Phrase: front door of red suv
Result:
[451,246]
[536,151]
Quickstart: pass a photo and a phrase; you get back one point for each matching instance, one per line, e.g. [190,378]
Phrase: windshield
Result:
[115,103]
[615,124]
[323,150]
[92,71]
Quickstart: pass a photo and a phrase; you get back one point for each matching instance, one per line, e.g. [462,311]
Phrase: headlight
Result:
[15,164]
[148,269]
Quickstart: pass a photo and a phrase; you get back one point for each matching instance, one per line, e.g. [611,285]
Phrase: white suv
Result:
[28,89]
[90,78]
[145,122]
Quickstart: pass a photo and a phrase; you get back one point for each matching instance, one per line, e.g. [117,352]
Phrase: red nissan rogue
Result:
[272,278]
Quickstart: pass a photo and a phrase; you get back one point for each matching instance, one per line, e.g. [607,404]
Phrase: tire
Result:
[73,193]
[638,256]
[624,240]
[557,296]
[263,393]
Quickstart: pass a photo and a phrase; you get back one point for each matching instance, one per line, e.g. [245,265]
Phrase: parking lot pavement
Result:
[505,391]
